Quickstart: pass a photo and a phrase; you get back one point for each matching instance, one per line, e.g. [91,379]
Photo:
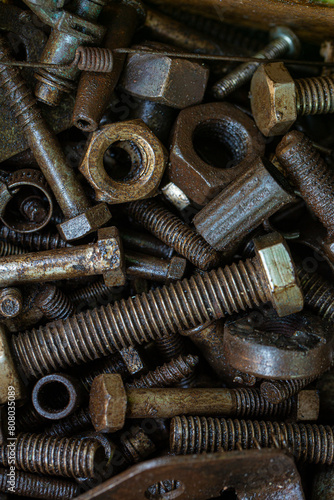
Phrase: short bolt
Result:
[308,443]
[54,303]
[318,294]
[11,302]
[136,445]
[283,41]
[180,306]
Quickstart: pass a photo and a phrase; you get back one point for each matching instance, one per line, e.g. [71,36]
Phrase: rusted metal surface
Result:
[11,302]
[233,130]
[153,268]
[200,478]
[148,161]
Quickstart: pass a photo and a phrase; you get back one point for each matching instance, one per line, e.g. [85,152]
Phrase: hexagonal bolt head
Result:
[87,222]
[108,403]
[176,269]
[273,99]
[132,360]
[274,255]
[307,405]
[177,83]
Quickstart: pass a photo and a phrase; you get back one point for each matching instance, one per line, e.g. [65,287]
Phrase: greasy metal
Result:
[231,128]
[148,162]
[9,372]
[311,21]
[104,257]
[276,391]
[243,205]
[310,443]
[207,476]
[37,215]
[54,303]
[296,347]
[83,218]
[191,302]
[277,99]
[178,83]
[34,486]
[144,243]
[57,396]
[11,302]
[173,232]
[111,402]
[95,90]
[69,457]
[136,445]
[155,269]
[283,41]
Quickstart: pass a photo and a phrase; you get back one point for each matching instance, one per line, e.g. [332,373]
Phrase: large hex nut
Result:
[277,264]
[231,128]
[107,403]
[177,83]
[87,222]
[273,99]
[147,153]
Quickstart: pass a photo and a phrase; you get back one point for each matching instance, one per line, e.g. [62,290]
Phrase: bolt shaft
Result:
[318,294]
[104,330]
[30,241]
[170,346]
[174,232]
[9,249]
[315,95]
[308,443]
[276,391]
[95,292]
[54,303]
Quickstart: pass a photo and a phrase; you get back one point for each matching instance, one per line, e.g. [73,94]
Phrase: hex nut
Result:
[108,403]
[307,405]
[177,83]
[273,99]
[274,255]
[11,384]
[148,156]
[87,222]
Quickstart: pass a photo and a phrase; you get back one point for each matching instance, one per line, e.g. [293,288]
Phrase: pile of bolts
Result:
[166,250]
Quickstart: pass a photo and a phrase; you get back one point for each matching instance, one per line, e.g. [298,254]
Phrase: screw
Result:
[318,294]
[31,485]
[111,403]
[11,302]
[283,41]
[54,303]
[43,454]
[31,241]
[276,391]
[180,306]
[308,443]
[70,195]
[136,445]
[174,232]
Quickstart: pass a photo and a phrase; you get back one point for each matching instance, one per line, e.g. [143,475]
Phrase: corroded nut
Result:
[177,83]
[307,405]
[107,403]
[148,158]
[87,222]
[221,127]
[283,284]
[273,99]
[11,387]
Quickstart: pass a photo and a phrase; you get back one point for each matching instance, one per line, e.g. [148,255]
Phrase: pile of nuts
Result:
[166,250]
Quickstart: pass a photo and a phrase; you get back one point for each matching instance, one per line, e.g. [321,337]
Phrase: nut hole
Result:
[122,161]
[53,397]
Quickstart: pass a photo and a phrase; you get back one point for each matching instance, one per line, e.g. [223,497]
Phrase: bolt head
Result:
[273,99]
[107,403]
[85,223]
[278,266]
[307,405]
[177,268]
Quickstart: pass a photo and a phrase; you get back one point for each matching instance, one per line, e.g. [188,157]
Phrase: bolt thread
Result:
[244,72]
[174,232]
[54,456]
[136,445]
[180,306]
[318,294]
[315,95]
[114,364]
[28,419]
[166,375]
[310,174]
[96,59]
[32,486]
[308,443]
[54,304]
[9,249]
[250,403]
[32,241]
[92,293]
[278,391]
[76,423]
[170,346]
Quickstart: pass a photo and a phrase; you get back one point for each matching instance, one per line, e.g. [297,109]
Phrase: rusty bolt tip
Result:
[11,302]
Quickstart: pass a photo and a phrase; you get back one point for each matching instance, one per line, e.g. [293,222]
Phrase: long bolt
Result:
[174,232]
[308,443]
[54,303]
[276,391]
[283,41]
[180,306]
[310,174]
[69,457]
[318,294]
[33,486]
[44,145]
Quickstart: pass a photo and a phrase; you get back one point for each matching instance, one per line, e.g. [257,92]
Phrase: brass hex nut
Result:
[87,222]
[177,83]
[278,266]
[148,157]
[273,99]
[107,403]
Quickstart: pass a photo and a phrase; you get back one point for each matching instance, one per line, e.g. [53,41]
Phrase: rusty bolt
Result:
[54,303]
[11,302]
